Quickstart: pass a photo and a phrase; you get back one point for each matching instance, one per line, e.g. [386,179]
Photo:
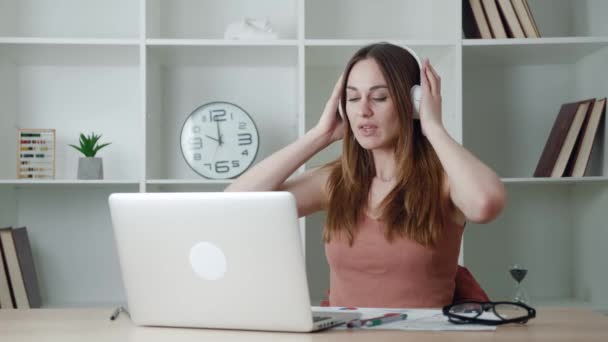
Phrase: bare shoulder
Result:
[309,189]
[456,214]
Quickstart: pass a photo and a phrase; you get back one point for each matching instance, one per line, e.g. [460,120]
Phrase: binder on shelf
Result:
[498,30]
[511,22]
[585,142]
[474,21]
[561,140]
[6,295]
[528,24]
[21,270]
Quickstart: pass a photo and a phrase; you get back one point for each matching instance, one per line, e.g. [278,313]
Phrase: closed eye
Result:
[379,99]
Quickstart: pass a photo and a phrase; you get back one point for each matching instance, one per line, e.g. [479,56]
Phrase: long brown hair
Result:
[415,206]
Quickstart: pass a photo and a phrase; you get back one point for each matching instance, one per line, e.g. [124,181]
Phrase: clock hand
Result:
[219,134]
[215,153]
[212,138]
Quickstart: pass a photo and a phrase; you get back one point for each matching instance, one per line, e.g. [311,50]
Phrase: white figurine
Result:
[250,28]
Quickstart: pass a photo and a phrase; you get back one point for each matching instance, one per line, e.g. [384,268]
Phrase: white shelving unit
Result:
[133,70]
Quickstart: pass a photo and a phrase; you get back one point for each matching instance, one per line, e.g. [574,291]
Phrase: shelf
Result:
[188,181]
[67,41]
[158,185]
[115,185]
[542,51]
[362,42]
[59,182]
[535,41]
[220,42]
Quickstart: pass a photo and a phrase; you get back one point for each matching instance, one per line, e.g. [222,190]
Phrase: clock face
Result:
[219,140]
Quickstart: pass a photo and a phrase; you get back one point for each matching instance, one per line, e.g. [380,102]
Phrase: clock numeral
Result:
[196,143]
[235,163]
[231,116]
[245,152]
[245,139]
[204,118]
[197,156]
[196,129]
[217,115]
[222,166]
[208,165]
[242,125]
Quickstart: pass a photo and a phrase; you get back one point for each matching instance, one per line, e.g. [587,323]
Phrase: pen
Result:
[117,312]
[388,318]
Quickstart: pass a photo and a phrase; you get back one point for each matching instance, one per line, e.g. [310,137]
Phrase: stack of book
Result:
[568,147]
[18,280]
[489,19]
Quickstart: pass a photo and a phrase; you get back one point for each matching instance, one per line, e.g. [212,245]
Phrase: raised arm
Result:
[271,173]
[474,188]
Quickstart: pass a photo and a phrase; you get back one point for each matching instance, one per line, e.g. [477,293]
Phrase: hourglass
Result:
[519,273]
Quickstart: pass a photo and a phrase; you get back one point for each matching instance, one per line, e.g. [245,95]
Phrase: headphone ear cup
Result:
[416,95]
[340,109]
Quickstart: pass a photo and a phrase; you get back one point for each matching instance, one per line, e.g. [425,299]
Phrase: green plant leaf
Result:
[99,147]
[89,144]
[77,148]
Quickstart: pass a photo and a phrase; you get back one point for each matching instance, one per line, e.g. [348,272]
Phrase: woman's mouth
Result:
[367,129]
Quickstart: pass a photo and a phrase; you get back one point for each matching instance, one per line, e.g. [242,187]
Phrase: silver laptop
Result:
[214,260]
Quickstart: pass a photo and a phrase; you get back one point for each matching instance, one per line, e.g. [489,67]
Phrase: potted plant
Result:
[89,166]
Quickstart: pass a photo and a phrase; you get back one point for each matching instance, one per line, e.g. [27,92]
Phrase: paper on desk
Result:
[417,319]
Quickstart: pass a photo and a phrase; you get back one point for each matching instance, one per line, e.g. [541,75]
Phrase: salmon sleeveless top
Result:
[374,272]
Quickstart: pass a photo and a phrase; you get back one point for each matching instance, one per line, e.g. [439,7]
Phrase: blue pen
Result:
[388,318]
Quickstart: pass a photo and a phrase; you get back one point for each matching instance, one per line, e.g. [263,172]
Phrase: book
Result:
[498,30]
[474,21]
[561,140]
[510,19]
[22,273]
[6,296]
[584,144]
[522,9]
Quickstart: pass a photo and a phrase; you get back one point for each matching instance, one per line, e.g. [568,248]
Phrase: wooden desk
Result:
[92,325]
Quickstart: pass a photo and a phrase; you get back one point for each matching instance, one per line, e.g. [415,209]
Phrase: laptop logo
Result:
[208,261]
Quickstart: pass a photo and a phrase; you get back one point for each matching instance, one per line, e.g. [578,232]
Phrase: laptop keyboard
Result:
[316,319]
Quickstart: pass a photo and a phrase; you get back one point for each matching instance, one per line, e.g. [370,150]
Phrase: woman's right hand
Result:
[331,125]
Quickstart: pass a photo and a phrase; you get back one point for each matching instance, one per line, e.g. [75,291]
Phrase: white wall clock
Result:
[219,140]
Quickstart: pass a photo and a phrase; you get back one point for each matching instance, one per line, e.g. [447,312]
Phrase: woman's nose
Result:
[364,108]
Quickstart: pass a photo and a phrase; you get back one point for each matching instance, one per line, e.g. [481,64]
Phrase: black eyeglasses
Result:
[503,312]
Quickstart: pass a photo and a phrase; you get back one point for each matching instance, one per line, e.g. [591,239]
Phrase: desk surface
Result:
[92,325]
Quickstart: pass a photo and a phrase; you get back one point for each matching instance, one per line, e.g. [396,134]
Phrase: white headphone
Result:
[415,91]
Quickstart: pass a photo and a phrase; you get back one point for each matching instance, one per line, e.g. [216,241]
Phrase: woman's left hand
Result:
[430,103]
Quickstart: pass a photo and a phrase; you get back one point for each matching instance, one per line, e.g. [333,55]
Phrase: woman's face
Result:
[369,106]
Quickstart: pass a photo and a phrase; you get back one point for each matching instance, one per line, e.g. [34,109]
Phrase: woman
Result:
[398,197]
